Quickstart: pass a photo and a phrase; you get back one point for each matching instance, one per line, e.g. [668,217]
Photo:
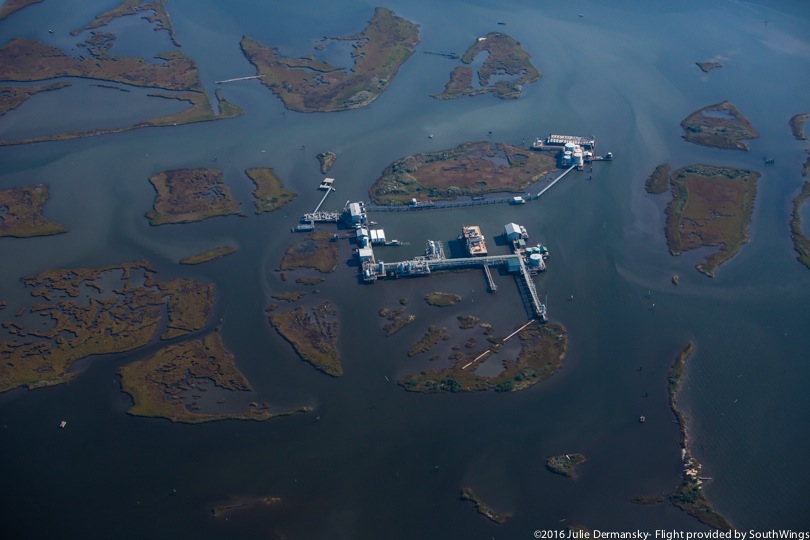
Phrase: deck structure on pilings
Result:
[491,282]
[423,266]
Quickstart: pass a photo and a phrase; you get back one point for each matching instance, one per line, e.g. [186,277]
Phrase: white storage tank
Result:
[535,260]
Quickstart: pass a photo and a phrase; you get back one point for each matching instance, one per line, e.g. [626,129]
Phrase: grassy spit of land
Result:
[472,168]
[79,318]
[720,126]
[209,255]
[711,206]
[689,496]
[159,384]
[187,195]
[505,57]
[308,84]
[542,353]
[708,66]
[801,243]
[27,60]
[12,97]
[467,494]
[270,193]
[313,333]
[11,6]
[658,181]
[243,503]
[153,11]
[21,212]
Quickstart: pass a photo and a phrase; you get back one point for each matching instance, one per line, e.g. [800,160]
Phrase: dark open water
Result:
[625,73]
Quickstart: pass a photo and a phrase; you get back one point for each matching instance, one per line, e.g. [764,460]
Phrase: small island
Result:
[326,160]
[164,385]
[797,126]
[78,318]
[433,335]
[658,181]
[467,494]
[719,126]
[21,212]
[801,243]
[315,251]
[473,168]
[689,496]
[708,66]
[396,319]
[442,299]
[209,255]
[505,58]
[564,464]
[542,352]
[711,206]
[188,195]
[248,503]
[270,193]
[308,84]
[313,334]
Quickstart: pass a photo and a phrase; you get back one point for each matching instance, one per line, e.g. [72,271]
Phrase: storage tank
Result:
[535,260]
[578,159]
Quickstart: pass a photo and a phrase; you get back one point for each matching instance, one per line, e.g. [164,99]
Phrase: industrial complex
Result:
[524,261]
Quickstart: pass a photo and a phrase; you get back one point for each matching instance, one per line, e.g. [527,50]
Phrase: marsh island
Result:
[564,464]
[720,126]
[315,251]
[187,195]
[711,206]
[308,84]
[472,168]
[94,311]
[542,352]
[801,243]
[505,58]
[270,193]
[21,212]
[170,383]
[313,334]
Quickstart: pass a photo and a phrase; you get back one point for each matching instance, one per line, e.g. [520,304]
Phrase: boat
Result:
[478,198]
[517,200]
[642,419]
[62,424]
[306,227]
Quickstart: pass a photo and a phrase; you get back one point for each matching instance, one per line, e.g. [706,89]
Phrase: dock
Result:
[490,282]
[239,79]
